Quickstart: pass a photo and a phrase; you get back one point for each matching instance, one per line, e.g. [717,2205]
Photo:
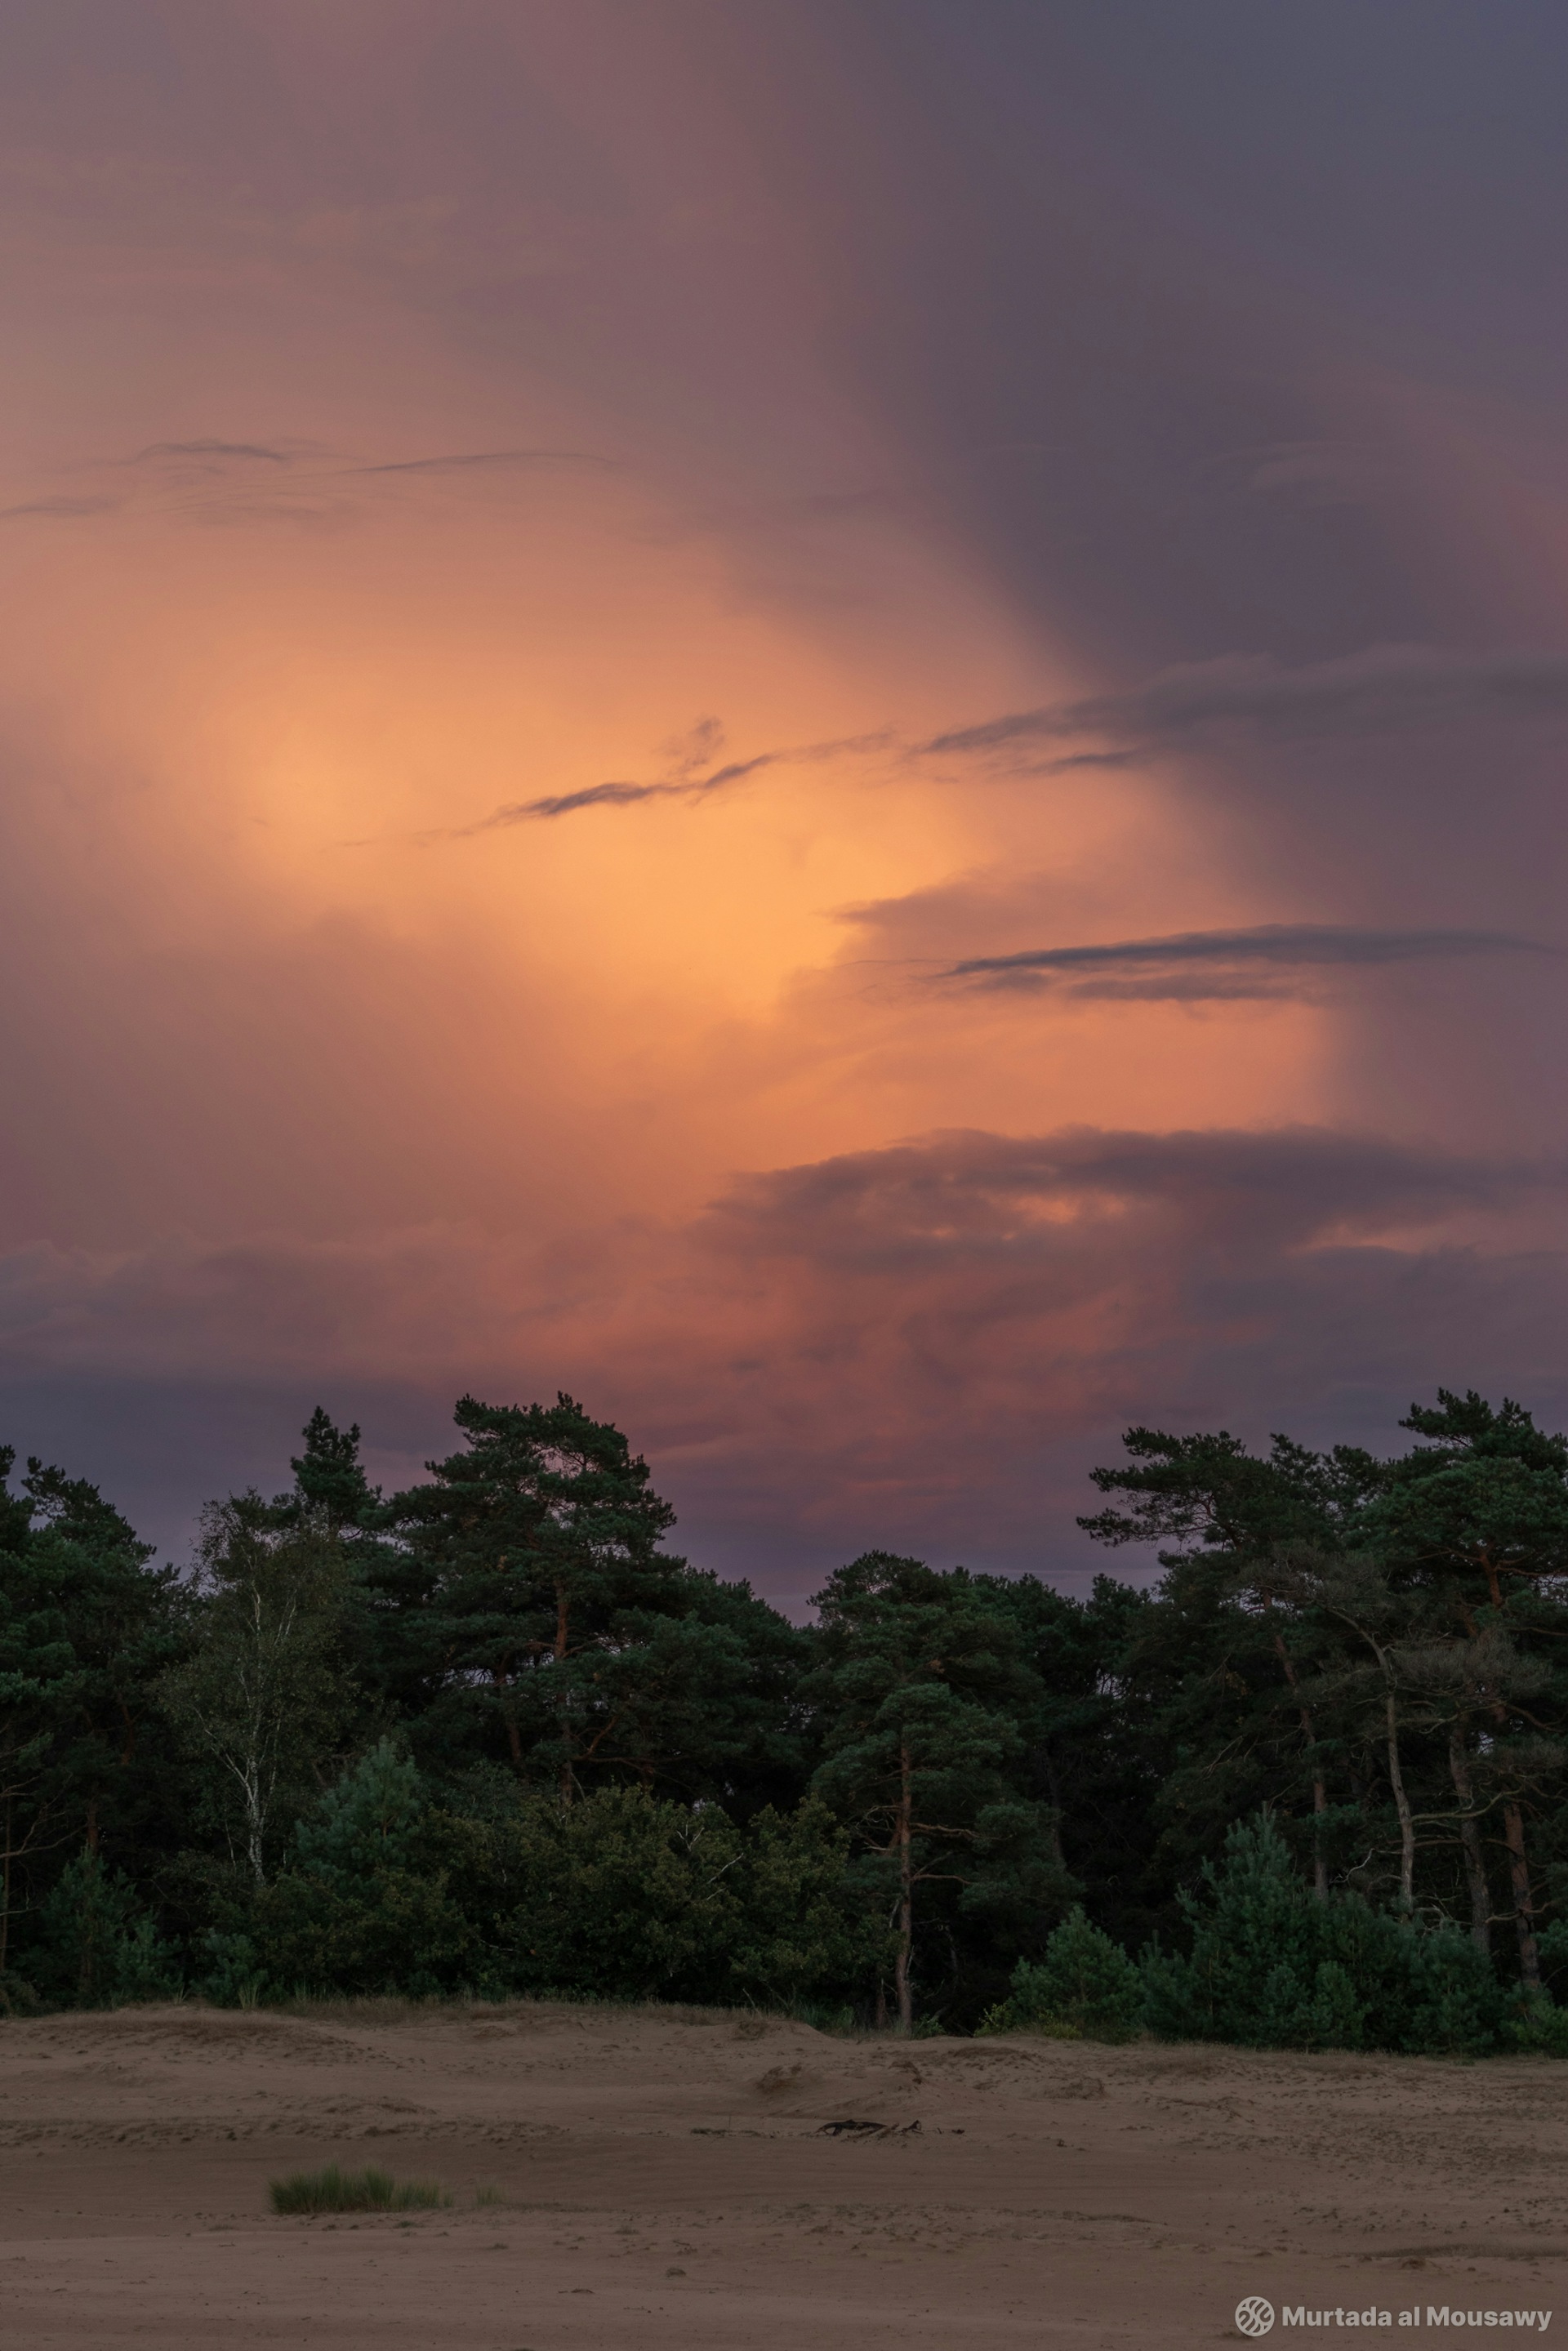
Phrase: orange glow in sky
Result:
[420,418]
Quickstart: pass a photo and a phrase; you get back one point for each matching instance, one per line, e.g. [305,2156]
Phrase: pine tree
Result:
[916,1687]
[1476,1519]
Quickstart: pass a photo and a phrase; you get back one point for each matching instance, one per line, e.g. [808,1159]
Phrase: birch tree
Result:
[260,1697]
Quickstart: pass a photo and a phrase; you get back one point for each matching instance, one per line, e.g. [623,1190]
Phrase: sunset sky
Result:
[840,721]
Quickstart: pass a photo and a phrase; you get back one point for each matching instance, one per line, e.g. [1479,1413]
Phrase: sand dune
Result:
[674,2177]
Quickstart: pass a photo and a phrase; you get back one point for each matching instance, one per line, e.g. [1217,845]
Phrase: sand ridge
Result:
[670,2176]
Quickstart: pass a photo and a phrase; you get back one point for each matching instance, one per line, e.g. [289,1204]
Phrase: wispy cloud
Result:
[57,509]
[619,795]
[258,453]
[497,461]
[1269,959]
[685,780]
[1387,688]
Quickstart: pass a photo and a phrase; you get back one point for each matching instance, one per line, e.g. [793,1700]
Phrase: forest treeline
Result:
[490,1735]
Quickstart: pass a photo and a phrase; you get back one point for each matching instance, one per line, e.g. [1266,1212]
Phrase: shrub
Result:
[97,1946]
[332,2190]
[364,1909]
[235,1976]
[805,1928]
[1541,2027]
[1084,1988]
[369,1824]
[389,1932]
[1271,1966]
[618,1895]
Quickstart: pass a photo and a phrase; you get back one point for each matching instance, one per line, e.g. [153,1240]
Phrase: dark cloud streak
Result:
[227,452]
[1269,959]
[516,461]
[684,787]
[58,510]
[1385,689]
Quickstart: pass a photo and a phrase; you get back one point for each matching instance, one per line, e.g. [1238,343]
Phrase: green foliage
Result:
[368,1823]
[85,1628]
[1540,2028]
[1554,1955]
[96,1946]
[490,1736]
[1272,1968]
[230,1971]
[520,1587]
[364,1908]
[261,1693]
[919,1682]
[329,1484]
[332,2190]
[1084,1988]
[392,1932]
[619,1894]
[1092,1754]
[804,1929]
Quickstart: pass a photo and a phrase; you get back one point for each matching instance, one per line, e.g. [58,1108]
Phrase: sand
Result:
[664,2179]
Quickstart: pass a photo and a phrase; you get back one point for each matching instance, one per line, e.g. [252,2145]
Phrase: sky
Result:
[839,722]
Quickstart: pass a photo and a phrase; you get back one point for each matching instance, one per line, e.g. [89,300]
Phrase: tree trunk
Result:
[6,1889]
[255,1847]
[1052,1782]
[563,1703]
[1513,1822]
[1523,1900]
[1320,1792]
[508,1716]
[901,1984]
[1402,1806]
[1470,1838]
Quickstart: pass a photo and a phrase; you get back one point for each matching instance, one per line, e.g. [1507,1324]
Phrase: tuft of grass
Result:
[335,2190]
[485,2194]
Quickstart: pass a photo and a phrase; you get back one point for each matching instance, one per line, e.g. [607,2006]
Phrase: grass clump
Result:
[333,2189]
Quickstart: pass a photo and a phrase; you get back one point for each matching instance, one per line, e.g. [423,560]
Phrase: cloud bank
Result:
[950,1329]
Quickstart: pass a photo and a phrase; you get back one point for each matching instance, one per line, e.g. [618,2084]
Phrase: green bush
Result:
[1540,2028]
[391,1931]
[363,1906]
[369,1824]
[617,1895]
[332,2190]
[804,1928]
[1085,1988]
[1271,1966]
[234,1976]
[96,1946]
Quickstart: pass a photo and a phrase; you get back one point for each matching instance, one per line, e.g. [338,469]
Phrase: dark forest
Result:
[492,1736]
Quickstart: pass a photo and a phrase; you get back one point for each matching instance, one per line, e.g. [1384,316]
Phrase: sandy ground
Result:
[665,2180]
